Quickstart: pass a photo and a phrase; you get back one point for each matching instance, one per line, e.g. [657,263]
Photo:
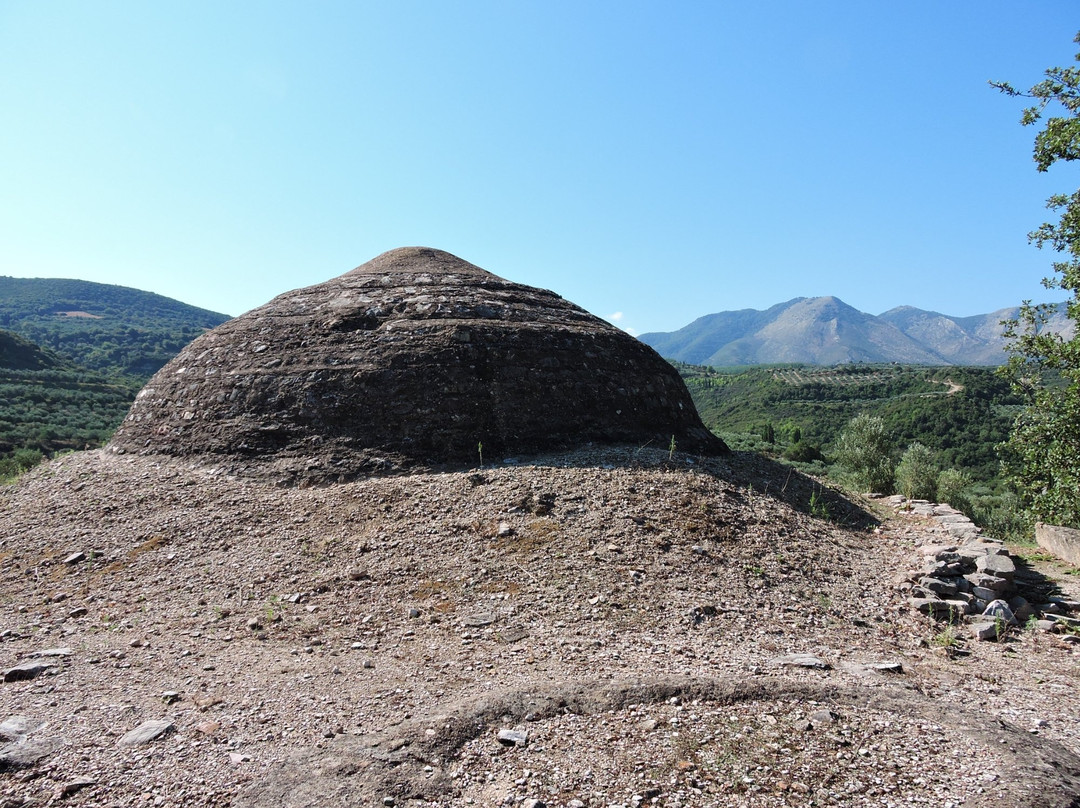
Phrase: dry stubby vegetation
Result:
[624,621]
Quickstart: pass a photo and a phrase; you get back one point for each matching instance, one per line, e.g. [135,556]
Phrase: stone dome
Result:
[414,358]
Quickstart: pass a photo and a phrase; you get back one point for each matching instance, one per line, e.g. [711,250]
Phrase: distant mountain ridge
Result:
[827,331]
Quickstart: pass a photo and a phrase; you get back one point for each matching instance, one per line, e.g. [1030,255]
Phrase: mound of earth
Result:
[414,358]
[589,629]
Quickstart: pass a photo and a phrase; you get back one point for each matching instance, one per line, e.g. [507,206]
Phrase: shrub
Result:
[863,451]
[950,487]
[803,453]
[917,473]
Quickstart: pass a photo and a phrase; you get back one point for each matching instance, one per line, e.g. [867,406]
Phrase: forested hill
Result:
[17,353]
[107,328]
[960,412]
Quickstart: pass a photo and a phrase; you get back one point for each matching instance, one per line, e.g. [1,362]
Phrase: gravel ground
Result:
[364,643]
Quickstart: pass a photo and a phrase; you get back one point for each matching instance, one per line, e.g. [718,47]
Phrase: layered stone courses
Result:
[414,358]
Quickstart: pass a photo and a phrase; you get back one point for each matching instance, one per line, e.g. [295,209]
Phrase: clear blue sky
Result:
[662,160]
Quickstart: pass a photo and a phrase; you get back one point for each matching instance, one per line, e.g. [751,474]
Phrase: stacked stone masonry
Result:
[969,578]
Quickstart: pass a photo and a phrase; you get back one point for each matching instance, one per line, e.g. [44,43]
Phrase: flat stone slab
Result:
[1065,620]
[937,606]
[513,737]
[1001,566]
[30,669]
[800,661]
[146,732]
[889,666]
[513,634]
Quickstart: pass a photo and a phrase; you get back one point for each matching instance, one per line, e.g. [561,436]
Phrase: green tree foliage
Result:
[18,462]
[1042,455]
[863,450]
[801,452]
[952,485]
[961,413]
[57,409]
[767,432]
[917,473]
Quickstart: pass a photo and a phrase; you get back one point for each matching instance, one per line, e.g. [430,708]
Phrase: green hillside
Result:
[111,329]
[48,403]
[17,353]
[960,412]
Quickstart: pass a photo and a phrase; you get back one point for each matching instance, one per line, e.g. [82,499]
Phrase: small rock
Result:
[513,737]
[414,613]
[72,786]
[886,667]
[479,620]
[146,732]
[1063,620]
[999,610]
[939,586]
[936,606]
[513,634]
[984,594]
[236,758]
[75,558]
[1021,609]
[505,530]
[78,611]
[822,718]
[986,630]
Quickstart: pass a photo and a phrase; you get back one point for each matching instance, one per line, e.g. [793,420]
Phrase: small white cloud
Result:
[616,319]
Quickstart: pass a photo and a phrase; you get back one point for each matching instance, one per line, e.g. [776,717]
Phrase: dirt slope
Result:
[364,644]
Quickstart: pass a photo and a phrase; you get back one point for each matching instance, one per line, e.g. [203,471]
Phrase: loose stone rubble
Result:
[973,579]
